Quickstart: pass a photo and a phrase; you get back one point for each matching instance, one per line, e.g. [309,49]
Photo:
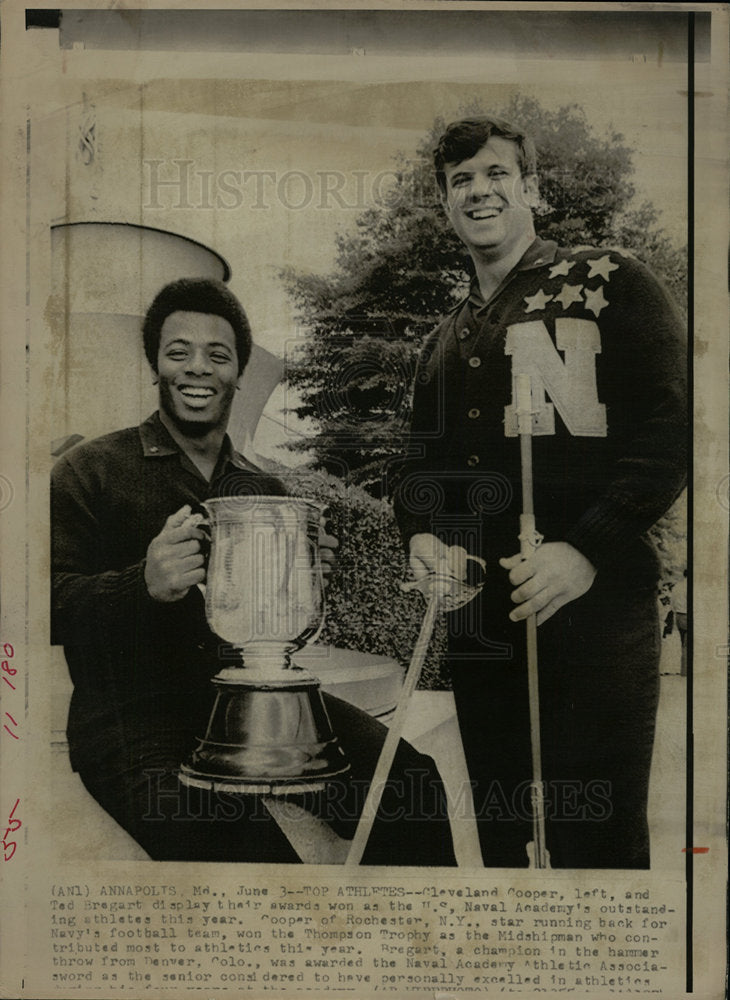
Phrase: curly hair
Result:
[199,295]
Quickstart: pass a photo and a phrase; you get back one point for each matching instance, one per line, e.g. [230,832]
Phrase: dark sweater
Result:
[141,671]
[601,490]
[140,667]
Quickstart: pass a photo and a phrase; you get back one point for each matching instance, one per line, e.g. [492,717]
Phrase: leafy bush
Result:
[366,609]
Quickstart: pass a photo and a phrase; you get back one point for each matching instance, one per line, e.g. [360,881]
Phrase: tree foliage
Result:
[403,267]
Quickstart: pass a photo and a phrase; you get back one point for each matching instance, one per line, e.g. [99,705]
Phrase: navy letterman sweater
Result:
[599,487]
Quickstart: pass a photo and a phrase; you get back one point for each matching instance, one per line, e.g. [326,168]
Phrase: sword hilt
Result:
[530,538]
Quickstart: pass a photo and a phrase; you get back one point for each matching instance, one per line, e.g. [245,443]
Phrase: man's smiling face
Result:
[197,366]
[488,201]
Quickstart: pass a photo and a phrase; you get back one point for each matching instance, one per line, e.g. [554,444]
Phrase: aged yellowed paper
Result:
[140,141]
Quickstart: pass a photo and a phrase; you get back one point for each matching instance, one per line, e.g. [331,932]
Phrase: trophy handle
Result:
[312,634]
[204,525]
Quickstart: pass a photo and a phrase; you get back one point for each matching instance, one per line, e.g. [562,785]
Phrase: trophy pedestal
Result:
[268,734]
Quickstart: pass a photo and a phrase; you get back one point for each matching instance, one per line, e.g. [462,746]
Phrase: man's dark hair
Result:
[199,295]
[464,139]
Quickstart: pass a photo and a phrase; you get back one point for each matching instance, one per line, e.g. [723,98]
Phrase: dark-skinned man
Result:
[127,559]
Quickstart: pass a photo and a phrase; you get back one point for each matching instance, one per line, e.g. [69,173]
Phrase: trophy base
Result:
[268,734]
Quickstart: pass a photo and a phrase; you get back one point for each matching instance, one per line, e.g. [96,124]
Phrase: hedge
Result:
[366,609]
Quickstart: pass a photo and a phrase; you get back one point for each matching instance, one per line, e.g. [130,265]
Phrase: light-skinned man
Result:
[603,352]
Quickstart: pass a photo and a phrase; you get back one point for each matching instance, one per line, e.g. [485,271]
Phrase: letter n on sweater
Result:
[570,384]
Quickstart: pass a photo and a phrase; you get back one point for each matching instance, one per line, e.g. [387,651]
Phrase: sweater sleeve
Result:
[418,492]
[649,381]
[90,603]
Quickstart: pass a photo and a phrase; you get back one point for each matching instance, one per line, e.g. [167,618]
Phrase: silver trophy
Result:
[269,731]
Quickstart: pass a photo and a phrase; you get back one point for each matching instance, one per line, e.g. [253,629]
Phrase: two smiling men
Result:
[604,352]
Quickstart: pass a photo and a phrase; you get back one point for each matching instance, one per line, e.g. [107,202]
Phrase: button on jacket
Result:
[141,671]
[605,354]
[599,492]
[134,661]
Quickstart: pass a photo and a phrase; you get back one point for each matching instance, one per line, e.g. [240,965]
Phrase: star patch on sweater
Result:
[569,294]
[561,269]
[537,301]
[595,300]
[601,265]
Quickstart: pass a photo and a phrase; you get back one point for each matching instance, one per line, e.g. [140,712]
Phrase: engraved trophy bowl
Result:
[269,731]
